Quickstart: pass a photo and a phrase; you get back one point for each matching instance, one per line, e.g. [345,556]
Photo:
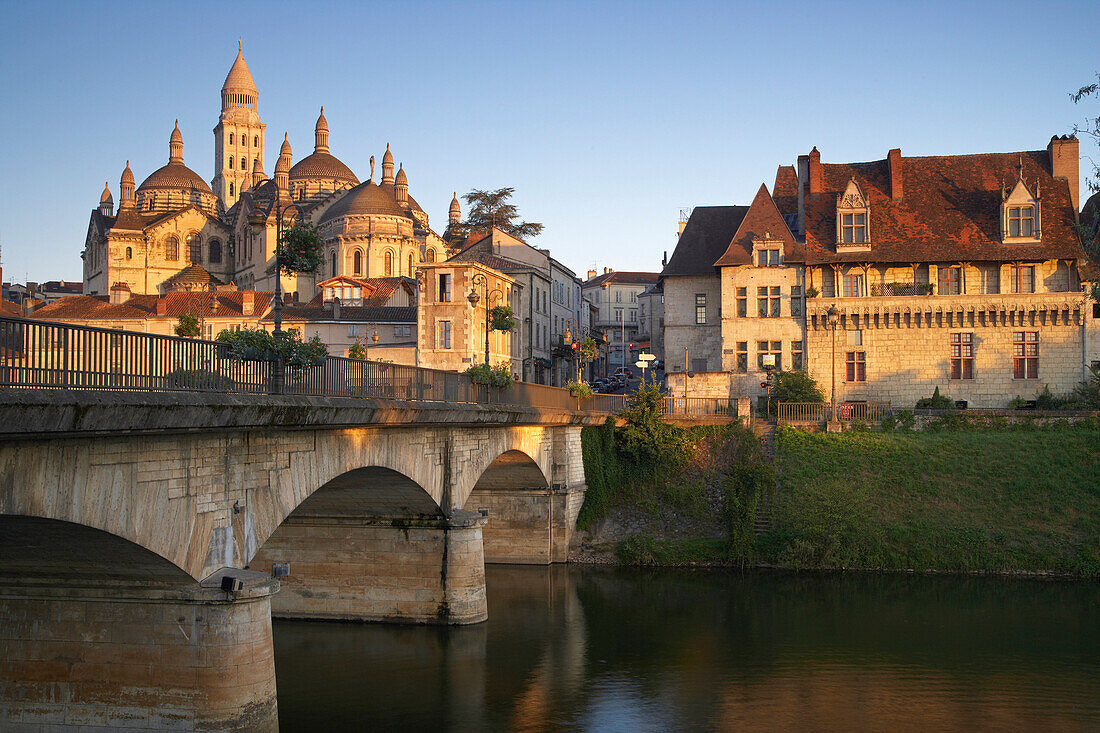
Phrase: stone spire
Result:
[126,188]
[257,172]
[455,214]
[239,89]
[175,145]
[401,187]
[282,167]
[387,166]
[106,201]
[320,134]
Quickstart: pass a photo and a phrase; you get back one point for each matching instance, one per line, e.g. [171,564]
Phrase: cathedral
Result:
[177,232]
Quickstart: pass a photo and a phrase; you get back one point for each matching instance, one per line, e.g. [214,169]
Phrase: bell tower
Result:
[239,134]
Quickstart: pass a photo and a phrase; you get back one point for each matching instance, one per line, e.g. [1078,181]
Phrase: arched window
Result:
[215,251]
[411,265]
[358,258]
[171,249]
[244,164]
[194,248]
[230,139]
[332,256]
[254,162]
[255,140]
[431,255]
[230,189]
[231,164]
[129,253]
[387,264]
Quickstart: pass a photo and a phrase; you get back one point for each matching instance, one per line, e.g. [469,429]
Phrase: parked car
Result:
[624,372]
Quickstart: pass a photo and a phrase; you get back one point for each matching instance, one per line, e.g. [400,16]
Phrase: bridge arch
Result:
[523,454]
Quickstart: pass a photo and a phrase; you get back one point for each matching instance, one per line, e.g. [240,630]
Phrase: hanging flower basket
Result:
[300,249]
[500,319]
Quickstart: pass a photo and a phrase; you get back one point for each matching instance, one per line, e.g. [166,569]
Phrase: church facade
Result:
[228,227]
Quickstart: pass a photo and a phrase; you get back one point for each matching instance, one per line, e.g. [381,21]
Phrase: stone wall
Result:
[681,331]
[908,350]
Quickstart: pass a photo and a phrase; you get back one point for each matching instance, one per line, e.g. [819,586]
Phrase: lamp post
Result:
[368,338]
[834,317]
[473,298]
[258,221]
[570,324]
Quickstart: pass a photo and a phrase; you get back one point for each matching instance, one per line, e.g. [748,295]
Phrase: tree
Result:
[187,325]
[796,387]
[1089,228]
[492,209]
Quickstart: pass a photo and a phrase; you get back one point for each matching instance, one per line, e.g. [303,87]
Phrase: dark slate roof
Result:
[762,218]
[706,237]
[950,210]
[624,278]
[315,313]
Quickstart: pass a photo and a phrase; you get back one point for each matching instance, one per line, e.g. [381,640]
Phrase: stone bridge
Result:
[144,538]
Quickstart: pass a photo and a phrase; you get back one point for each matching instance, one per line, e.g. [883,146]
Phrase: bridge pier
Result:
[423,570]
[528,526]
[124,653]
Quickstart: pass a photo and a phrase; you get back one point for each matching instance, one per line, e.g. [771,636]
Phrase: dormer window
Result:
[767,252]
[1021,212]
[853,219]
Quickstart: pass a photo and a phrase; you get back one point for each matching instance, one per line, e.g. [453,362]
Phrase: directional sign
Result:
[641,364]
[647,357]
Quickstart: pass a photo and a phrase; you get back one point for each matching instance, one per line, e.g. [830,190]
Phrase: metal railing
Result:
[816,412]
[892,289]
[700,407]
[41,354]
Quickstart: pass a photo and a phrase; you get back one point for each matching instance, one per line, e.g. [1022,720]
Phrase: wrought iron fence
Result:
[886,289]
[700,407]
[811,412]
[41,354]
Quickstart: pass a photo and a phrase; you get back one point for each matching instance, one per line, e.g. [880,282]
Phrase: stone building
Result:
[651,321]
[953,271]
[175,219]
[616,295]
[450,330]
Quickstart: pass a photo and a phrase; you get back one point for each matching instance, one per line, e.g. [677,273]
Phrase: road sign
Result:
[641,364]
[647,357]
[768,360]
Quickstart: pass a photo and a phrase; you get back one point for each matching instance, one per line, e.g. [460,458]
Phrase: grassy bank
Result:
[986,500]
[960,499]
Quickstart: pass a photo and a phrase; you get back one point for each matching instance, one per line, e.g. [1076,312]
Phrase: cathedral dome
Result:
[366,198]
[322,166]
[175,175]
[239,78]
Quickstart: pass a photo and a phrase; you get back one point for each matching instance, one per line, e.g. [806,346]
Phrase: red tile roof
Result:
[762,218]
[229,304]
[950,210]
[379,289]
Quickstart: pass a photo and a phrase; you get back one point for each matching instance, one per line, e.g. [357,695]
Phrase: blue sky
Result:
[607,118]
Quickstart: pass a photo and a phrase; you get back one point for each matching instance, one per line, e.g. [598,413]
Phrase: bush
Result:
[499,376]
[748,482]
[187,326]
[1018,403]
[357,351]
[1087,393]
[257,344]
[300,249]
[646,438]
[580,390]
[197,379]
[637,549]
[796,387]
[935,402]
[602,472]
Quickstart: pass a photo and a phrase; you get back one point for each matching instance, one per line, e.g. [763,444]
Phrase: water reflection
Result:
[609,649]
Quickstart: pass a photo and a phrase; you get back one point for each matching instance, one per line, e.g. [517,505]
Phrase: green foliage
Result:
[796,387]
[356,351]
[935,402]
[900,420]
[994,499]
[812,292]
[646,439]
[187,326]
[500,319]
[197,379]
[603,472]
[748,482]
[493,209]
[257,344]
[644,550]
[925,289]
[580,390]
[1087,394]
[499,376]
[300,249]
[1017,403]
[587,350]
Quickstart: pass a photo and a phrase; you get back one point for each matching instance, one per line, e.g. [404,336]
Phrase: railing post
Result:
[275,385]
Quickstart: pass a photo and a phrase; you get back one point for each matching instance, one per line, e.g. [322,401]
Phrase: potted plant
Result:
[812,292]
[579,390]
[501,319]
[925,289]
[499,376]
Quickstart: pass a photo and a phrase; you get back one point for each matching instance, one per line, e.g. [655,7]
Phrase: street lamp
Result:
[368,338]
[258,221]
[473,297]
[834,318]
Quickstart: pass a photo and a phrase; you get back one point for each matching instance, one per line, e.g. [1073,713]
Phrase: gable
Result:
[762,221]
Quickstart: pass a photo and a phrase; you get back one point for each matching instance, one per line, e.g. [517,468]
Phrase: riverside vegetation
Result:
[963,495]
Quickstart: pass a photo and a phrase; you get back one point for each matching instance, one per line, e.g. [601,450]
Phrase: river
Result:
[612,649]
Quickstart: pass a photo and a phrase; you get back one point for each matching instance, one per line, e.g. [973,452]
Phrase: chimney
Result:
[817,174]
[120,293]
[894,157]
[162,307]
[1064,155]
[803,172]
[336,309]
[607,270]
[592,274]
[248,302]
[664,258]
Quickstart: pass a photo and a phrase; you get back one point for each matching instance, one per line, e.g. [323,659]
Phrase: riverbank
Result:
[1020,501]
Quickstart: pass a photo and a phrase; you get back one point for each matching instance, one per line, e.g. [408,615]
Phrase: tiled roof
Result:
[785,190]
[950,210]
[229,304]
[317,313]
[762,218]
[8,308]
[496,262]
[381,288]
[193,274]
[706,237]
[624,278]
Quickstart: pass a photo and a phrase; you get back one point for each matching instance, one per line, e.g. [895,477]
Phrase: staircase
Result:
[765,433]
